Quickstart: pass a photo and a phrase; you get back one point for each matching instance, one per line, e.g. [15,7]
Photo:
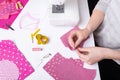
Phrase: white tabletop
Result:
[39,9]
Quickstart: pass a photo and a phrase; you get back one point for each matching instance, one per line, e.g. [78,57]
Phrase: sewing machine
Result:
[64,12]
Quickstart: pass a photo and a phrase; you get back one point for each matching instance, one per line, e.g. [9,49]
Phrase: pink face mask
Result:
[28,22]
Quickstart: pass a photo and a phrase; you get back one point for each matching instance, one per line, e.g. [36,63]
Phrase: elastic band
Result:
[23,17]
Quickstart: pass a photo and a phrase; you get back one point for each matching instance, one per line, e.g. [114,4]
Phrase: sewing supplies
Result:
[37,49]
[44,57]
[19,5]
[33,34]
[9,51]
[41,39]
[10,27]
[36,32]
[61,68]
[9,11]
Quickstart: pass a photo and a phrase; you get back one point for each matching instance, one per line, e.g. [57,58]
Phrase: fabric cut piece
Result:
[8,70]
[61,68]
[64,39]
[7,9]
[10,52]
[11,13]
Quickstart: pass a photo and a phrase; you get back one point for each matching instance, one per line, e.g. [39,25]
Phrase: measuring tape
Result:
[41,39]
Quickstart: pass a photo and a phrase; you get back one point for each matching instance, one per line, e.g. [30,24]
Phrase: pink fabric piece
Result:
[11,18]
[7,9]
[61,68]
[64,39]
[8,70]
[9,51]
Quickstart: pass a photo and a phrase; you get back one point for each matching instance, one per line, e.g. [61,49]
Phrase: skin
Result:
[92,55]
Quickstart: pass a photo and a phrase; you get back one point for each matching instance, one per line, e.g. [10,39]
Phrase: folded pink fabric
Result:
[61,68]
[8,13]
[64,39]
[7,9]
[9,51]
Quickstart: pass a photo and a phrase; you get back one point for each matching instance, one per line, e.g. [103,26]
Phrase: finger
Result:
[83,50]
[81,55]
[78,41]
[71,40]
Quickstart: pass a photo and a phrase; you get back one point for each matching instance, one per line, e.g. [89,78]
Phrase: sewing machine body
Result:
[66,14]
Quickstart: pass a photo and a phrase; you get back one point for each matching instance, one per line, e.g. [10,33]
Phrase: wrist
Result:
[87,32]
[111,54]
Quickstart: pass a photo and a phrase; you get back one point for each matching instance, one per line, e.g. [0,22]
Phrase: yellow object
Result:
[36,32]
[33,34]
[20,5]
[32,37]
[16,5]
[42,39]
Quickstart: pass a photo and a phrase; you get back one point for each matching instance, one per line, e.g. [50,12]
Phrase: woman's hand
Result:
[77,36]
[92,55]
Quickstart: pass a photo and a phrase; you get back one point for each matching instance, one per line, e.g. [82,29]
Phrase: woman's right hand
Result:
[77,36]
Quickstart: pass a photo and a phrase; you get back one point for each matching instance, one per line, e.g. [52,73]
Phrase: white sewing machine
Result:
[64,12]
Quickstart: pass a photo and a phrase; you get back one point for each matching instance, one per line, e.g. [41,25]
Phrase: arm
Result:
[92,55]
[112,54]
[97,15]
[95,20]
[93,23]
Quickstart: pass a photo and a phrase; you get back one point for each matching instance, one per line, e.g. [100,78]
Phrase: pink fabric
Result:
[8,70]
[7,9]
[64,39]
[9,51]
[61,68]
[12,16]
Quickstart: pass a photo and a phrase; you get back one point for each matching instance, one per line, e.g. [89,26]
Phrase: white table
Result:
[38,9]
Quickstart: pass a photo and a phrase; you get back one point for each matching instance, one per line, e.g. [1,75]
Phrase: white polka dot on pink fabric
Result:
[12,53]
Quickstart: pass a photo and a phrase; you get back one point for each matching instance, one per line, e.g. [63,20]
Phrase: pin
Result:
[44,57]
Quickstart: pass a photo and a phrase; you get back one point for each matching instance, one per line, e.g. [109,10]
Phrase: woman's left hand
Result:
[91,55]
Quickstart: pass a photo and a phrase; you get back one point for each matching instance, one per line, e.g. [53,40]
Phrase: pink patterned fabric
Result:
[9,51]
[7,9]
[10,13]
[8,70]
[64,39]
[61,68]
